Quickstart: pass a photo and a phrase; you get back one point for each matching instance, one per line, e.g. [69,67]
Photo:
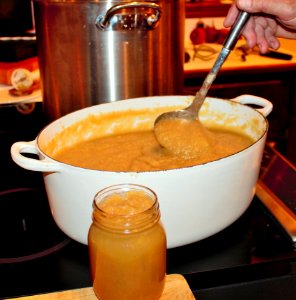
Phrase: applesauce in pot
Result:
[127,244]
[126,142]
[140,151]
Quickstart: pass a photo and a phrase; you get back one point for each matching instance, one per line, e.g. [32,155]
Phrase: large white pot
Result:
[195,202]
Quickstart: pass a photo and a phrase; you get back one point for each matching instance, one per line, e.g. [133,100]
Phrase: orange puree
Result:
[140,151]
[187,138]
[127,203]
[127,248]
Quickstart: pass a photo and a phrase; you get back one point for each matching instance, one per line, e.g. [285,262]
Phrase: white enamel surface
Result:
[195,202]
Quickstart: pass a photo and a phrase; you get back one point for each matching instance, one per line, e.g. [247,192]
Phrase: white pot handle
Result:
[255,100]
[17,150]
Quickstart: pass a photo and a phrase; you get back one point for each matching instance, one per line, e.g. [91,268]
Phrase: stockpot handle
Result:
[17,150]
[255,100]
[103,21]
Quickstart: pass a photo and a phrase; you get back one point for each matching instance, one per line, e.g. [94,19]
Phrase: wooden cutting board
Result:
[176,288]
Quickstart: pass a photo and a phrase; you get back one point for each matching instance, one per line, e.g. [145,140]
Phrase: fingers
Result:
[260,33]
[250,34]
[254,31]
[265,30]
[231,16]
[272,41]
[270,19]
[272,7]
[252,6]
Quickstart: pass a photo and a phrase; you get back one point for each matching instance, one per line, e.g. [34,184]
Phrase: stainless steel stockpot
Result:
[96,51]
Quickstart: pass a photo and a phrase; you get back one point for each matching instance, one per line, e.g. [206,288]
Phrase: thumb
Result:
[272,7]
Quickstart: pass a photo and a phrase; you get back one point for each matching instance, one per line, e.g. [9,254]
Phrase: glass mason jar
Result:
[127,244]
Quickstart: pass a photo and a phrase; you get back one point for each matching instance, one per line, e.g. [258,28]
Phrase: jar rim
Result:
[124,188]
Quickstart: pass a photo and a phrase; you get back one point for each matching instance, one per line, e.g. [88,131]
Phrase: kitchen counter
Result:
[235,62]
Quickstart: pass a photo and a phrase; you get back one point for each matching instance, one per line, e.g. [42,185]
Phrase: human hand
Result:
[270,20]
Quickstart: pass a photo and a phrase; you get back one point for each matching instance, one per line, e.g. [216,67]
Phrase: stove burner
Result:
[27,229]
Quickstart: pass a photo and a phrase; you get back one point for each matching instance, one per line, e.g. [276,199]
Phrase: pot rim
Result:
[202,165]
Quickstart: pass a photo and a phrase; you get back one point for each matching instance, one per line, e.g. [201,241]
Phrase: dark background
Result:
[15,17]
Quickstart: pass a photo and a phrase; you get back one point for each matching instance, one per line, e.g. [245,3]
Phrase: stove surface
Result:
[27,228]
[253,254]
[253,249]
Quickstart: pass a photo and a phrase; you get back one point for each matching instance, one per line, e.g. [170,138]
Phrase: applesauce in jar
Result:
[127,244]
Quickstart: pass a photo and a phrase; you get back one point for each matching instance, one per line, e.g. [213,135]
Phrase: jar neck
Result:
[126,208]
[129,223]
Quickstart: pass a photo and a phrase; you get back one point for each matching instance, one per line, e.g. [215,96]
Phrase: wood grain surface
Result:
[176,288]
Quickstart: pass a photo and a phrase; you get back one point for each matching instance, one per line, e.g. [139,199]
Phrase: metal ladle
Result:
[191,112]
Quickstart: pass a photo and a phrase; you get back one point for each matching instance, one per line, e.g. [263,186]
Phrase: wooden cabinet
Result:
[205,9]
[275,85]
[291,146]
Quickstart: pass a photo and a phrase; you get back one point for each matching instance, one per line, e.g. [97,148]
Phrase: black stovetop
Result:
[252,251]
[251,259]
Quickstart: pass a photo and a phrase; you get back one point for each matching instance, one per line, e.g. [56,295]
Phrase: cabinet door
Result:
[206,9]
[291,141]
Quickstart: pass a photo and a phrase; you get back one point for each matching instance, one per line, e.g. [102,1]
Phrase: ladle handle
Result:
[235,30]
